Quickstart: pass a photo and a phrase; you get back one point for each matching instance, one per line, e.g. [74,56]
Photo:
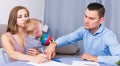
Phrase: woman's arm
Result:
[7,45]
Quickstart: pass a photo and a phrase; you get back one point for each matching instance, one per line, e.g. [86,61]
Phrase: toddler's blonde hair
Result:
[32,24]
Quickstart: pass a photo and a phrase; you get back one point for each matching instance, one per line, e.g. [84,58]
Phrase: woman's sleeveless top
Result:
[16,45]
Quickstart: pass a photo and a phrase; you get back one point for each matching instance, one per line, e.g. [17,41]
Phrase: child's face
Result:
[39,31]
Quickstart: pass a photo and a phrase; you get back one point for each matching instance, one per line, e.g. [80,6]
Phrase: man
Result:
[100,44]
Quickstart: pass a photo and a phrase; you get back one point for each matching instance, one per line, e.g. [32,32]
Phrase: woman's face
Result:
[22,17]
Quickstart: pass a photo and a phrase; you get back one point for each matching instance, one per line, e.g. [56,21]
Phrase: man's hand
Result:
[50,51]
[89,57]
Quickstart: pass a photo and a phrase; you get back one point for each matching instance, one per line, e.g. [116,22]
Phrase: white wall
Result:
[35,7]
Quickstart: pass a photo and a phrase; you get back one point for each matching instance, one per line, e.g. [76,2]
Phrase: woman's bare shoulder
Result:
[5,35]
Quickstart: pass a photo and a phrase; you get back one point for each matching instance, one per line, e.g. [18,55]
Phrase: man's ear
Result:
[101,19]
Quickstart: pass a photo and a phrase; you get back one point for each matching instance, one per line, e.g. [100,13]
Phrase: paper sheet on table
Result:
[74,61]
[84,63]
[48,64]
[67,62]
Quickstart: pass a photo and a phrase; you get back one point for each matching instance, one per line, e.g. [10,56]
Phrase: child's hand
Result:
[50,50]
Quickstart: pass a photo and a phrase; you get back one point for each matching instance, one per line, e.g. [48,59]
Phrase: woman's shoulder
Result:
[5,35]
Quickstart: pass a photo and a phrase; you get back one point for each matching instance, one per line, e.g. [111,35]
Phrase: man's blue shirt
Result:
[103,43]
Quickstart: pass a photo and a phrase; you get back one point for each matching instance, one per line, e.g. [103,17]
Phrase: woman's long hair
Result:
[12,25]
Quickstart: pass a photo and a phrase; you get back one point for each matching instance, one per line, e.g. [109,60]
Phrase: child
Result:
[33,29]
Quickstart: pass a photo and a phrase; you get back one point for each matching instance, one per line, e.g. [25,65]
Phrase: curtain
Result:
[64,16]
[112,16]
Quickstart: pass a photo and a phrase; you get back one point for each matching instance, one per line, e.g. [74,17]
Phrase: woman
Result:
[13,39]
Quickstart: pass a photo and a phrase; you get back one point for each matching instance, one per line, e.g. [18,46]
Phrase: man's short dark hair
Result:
[98,7]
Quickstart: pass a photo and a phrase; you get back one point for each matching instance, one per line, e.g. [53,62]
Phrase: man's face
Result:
[91,20]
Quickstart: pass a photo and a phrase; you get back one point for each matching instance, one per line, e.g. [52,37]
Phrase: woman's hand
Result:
[33,52]
[40,58]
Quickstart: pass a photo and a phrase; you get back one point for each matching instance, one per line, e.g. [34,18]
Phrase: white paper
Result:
[84,63]
[48,64]
[67,62]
